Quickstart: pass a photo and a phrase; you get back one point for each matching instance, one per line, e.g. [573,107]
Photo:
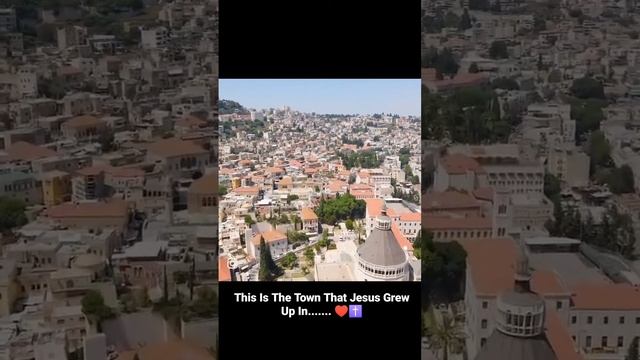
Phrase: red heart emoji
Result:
[342,310]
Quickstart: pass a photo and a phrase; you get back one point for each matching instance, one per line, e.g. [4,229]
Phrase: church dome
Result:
[381,247]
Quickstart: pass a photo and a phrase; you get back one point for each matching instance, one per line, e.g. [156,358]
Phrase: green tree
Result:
[444,263]
[222,190]
[349,224]
[94,308]
[505,83]
[417,245]
[324,240]
[551,185]
[599,151]
[283,219]
[295,220]
[12,214]
[269,270]
[341,208]
[621,181]
[465,20]
[451,20]
[206,303]
[249,220]
[289,261]
[106,140]
[632,352]
[445,335]
[292,197]
[587,88]
[296,237]
[310,255]
[498,50]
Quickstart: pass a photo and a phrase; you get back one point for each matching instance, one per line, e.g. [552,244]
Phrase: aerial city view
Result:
[319,180]
[108,173]
[530,130]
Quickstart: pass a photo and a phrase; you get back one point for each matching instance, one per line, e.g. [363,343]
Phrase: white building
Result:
[585,310]
[275,240]
[154,38]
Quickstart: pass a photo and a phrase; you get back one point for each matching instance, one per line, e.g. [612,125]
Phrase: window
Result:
[589,319]
[638,320]
[603,341]
[483,323]
[620,341]
[574,319]
[621,320]
[558,305]
[485,304]
[605,320]
[483,341]
[588,341]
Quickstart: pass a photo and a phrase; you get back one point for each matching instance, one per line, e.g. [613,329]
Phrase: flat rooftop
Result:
[571,268]
[334,272]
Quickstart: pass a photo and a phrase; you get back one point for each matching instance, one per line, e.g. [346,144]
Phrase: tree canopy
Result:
[469,116]
[12,213]
[587,88]
[367,159]
[443,61]
[498,50]
[94,307]
[341,208]
[269,270]
[443,267]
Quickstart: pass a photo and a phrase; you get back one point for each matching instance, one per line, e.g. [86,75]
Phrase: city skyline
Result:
[327,96]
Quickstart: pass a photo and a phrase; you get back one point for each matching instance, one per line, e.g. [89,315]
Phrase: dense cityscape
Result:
[312,197]
[108,179]
[531,170]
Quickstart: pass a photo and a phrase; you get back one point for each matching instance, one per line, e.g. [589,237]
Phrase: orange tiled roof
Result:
[207,184]
[112,208]
[269,236]
[25,151]
[175,147]
[559,338]
[247,190]
[606,297]
[452,223]
[457,164]
[174,350]
[492,263]
[224,273]
[308,214]
[83,121]
[448,200]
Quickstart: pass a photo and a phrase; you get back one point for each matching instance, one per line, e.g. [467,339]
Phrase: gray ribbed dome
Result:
[382,248]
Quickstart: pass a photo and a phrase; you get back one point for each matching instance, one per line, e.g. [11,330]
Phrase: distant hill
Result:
[231,107]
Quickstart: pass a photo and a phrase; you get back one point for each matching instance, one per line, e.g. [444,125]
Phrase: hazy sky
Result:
[331,96]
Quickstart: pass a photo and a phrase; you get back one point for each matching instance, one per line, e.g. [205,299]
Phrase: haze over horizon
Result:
[327,96]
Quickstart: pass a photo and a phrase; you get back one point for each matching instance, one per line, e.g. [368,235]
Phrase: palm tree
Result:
[357,226]
[445,335]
